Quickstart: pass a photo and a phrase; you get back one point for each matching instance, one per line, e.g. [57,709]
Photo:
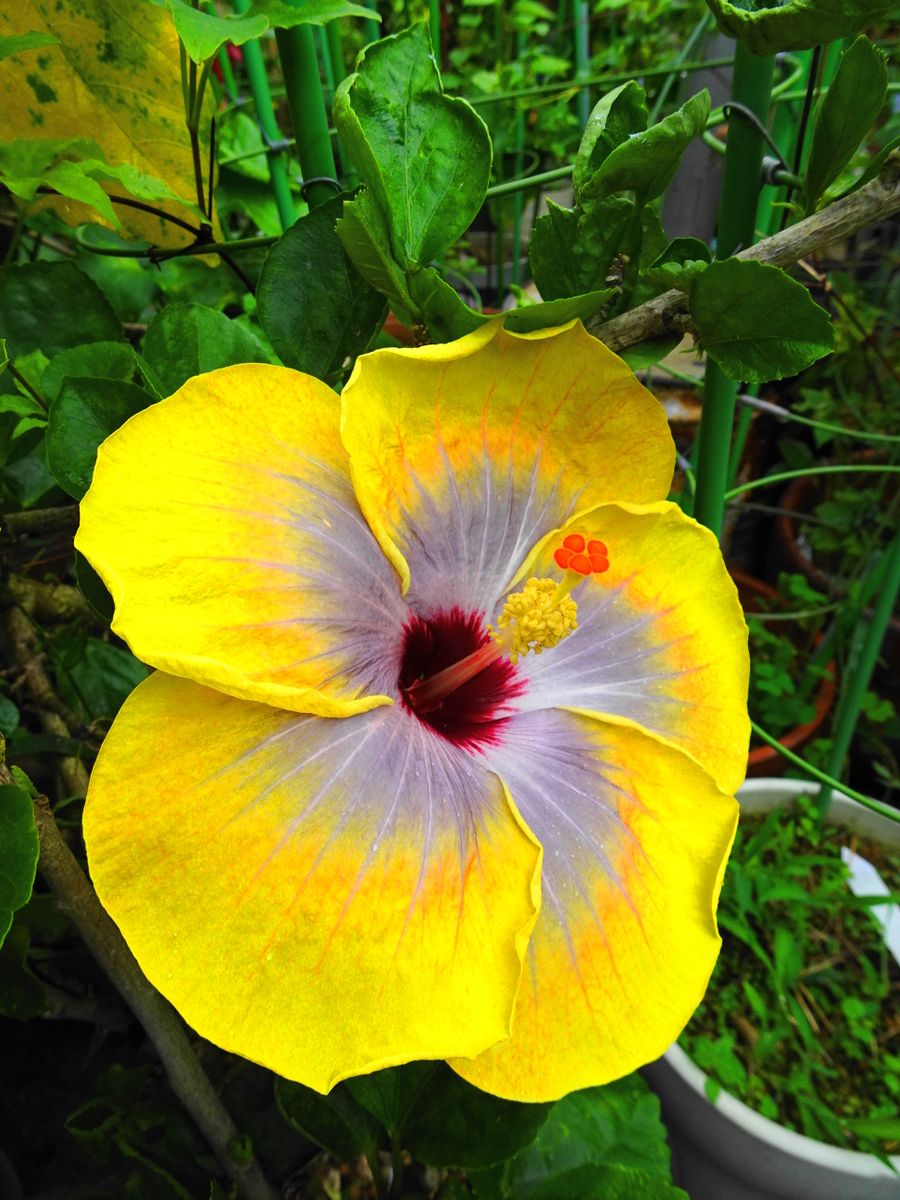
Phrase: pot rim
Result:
[822,1154]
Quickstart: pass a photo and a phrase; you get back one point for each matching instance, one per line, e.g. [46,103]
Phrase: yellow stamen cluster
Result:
[536,618]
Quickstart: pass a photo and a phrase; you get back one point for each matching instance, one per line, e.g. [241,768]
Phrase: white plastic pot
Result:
[726,1151]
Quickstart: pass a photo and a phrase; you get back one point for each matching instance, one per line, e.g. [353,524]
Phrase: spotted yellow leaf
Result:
[113,76]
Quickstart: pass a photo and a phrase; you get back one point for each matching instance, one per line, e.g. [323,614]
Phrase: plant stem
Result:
[297,51]
[677,67]
[874,202]
[23,382]
[751,87]
[40,521]
[528,182]
[787,414]
[833,469]
[582,22]
[262,100]
[143,206]
[884,809]
[864,650]
[188,1080]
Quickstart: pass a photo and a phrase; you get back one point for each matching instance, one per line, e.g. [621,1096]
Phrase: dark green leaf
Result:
[99,680]
[646,354]
[426,156]
[646,163]
[847,112]
[621,113]
[756,322]
[93,588]
[571,251]
[22,994]
[336,1121]
[53,306]
[315,307]
[184,340]
[18,853]
[45,743]
[766,26]
[83,415]
[98,360]
[684,250]
[16,43]
[9,716]
[557,312]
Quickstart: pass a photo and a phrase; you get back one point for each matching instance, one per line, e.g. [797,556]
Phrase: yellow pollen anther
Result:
[537,618]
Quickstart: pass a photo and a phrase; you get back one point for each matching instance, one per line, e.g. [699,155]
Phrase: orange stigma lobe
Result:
[582,556]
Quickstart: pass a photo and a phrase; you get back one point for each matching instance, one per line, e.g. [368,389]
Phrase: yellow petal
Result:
[463,455]
[323,897]
[635,839]
[224,523]
[661,638]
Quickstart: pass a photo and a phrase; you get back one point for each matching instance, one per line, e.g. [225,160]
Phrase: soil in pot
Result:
[800,1020]
[790,696]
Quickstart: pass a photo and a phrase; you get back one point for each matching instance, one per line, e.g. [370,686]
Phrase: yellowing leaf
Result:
[113,77]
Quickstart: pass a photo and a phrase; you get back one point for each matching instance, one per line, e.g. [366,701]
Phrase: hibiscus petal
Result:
[324,897]
[464,454]
[224,523]
[635,839]
[661,638]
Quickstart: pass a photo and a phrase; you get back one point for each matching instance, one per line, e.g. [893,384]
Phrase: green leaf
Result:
[203,33]
[97,678]
[844,117]
[365,236]
[282,15]
[19,848]
[16,43]
[766,26]
[53,306]
[83,415]
[426,156]
[9,716]
[315,307]
[336,1122]
[444,1121]
[619,114]
[605,1182]
[184,340]
[557,312]
[571,250]
[435,304]
[93,588]
[646,163]
[756,322]
[97,360]
[647,354]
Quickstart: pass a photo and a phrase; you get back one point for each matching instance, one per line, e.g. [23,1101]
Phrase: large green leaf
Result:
[53,306]
[425,156]
[646,162]
[184,340]
[444,1121]
[558,312]
[846,114]
[203,33]
[603,1143]
[766,26]
[19,848]
[619,114]
[756,322]
[83,415]
[440,308]
[315,307]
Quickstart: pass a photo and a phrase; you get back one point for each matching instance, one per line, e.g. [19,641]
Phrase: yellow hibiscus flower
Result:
[352,821]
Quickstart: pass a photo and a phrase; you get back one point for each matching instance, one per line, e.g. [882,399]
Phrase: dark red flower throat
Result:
[473,715]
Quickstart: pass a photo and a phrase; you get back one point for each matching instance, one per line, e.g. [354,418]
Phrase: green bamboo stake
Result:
[581,13]
[371,29]
[265,115]
[751,86]
[306,101]
[863,656]
[434,21]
